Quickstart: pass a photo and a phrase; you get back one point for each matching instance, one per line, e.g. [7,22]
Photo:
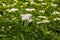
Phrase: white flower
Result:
[32,2]
[43,21]
[40,0]
[54,5]
[30,9]
[13,9]
[44,3]
[42,16]
[56,12]
[57,19]
[39,22]
[42,11]
[26,17]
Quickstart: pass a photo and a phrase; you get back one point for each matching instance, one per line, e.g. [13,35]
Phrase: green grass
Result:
[13,28]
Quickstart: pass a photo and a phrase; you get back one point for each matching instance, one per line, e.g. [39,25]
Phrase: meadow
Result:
[29,19]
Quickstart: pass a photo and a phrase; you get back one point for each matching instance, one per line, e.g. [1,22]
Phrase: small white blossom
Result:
[56,12]
[30,20]
[43,21]
[54,5]
[32,2]
[13,9]
[30,9]
[40,0]
[57,19]
[42,11]
[42,16]
[39,22]
[26,17]
[44,3]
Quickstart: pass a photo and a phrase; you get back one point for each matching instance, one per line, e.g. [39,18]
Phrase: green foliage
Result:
[13,28]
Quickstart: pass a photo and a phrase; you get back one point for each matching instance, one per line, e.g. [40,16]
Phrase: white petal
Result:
[56,12]
[44,3]
[26,17]
[30,9]
[45,21]
[40,0]
[42,17]
[13,9]
[42,11]
[54,5]
[57,19]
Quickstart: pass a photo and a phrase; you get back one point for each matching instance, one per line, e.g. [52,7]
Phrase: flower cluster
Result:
[26,17]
